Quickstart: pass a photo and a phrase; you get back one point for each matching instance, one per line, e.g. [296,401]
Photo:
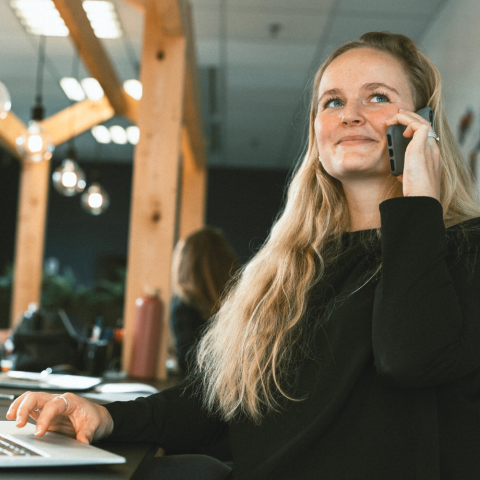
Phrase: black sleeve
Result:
[186,324]
[173,418]
[426,320]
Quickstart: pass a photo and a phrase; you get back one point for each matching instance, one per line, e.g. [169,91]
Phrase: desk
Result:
[133,452]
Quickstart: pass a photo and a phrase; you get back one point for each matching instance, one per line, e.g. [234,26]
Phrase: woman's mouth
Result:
[354,140]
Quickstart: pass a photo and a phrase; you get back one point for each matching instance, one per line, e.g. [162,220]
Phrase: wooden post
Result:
[32,211]
[194,170]
[155,175]
[194,180]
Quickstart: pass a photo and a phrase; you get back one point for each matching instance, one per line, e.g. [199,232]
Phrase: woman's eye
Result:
[379,98]
[334,103]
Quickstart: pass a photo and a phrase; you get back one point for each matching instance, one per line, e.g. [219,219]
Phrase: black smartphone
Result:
[397,143]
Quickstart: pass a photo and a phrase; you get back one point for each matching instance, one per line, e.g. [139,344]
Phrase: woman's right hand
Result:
[75,417]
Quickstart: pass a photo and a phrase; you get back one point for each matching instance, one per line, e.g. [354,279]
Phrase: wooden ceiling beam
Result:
[78,118]
[94,56]
[62,126]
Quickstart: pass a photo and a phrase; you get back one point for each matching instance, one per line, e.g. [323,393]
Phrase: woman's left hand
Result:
[423,165]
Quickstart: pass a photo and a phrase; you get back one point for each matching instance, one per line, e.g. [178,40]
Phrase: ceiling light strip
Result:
[41,17]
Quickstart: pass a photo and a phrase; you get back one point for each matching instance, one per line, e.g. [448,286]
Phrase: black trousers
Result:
[182,467]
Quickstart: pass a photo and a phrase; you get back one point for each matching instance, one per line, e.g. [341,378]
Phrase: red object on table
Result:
[146,336]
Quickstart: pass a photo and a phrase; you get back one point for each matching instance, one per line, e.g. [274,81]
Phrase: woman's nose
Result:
[352,115]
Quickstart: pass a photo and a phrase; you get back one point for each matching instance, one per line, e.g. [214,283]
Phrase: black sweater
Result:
[186,322]
[393,387]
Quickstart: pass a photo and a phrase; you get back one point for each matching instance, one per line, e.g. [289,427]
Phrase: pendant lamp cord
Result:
[40,64]
[75,75]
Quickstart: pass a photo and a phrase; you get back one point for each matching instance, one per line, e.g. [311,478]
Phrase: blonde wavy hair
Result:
[252,344]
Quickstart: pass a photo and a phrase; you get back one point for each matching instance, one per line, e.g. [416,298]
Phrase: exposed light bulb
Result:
[5,103]
[35,144]
[95,199]
[69,179]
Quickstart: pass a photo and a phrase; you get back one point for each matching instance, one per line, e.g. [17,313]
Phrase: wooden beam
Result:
[175,19]
[62,126]
[140,5]
[192,114]
[29,243]
[78,118]
[11,127]
[170,14]
[94,56]
[193,193]
[194,124]
[155,175]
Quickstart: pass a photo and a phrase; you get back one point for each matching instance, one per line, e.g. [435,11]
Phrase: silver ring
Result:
[433,135]
[63,398]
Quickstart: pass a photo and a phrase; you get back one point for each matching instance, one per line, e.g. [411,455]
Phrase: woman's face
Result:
[359,91]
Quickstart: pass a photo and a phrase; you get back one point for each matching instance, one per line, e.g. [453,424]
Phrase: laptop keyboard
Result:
[28,384]
[12,449]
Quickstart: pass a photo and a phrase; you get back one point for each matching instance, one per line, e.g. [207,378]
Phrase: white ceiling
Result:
[266,77]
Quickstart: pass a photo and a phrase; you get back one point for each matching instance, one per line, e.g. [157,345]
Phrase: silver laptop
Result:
[46,381]
[20,448]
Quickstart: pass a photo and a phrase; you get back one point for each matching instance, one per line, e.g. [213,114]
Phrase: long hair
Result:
[202,265]
[251,347]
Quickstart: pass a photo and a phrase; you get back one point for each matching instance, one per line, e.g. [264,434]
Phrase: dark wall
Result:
[243,203]
[88,243]
[9,177]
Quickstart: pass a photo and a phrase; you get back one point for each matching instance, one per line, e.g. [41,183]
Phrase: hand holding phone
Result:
[397,143]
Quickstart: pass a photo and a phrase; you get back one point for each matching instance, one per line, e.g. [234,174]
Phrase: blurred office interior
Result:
[255,61]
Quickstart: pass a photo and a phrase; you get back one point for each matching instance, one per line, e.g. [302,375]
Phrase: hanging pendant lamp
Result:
[69,179]
[95,200]
[35,144]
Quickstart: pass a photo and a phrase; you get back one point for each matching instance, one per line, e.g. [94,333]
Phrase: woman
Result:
[349,346]
[201,267]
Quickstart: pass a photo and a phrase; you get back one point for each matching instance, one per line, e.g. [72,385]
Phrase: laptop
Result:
[20,448]
[42,381]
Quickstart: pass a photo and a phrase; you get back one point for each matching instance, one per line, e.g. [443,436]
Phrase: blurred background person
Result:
[202,265]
